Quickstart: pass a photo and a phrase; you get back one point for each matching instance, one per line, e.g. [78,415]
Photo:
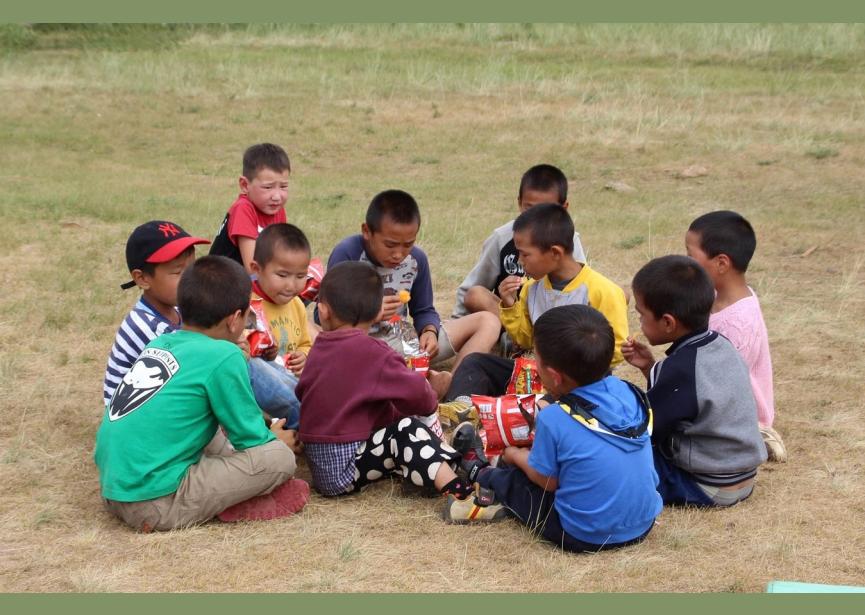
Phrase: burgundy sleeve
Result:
[407,390]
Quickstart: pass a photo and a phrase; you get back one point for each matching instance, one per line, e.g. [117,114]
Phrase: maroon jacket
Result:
[353,384]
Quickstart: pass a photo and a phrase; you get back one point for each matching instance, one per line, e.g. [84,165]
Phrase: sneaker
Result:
[467,442]
[774,444]
[471,510]
[288,498]
[457,411]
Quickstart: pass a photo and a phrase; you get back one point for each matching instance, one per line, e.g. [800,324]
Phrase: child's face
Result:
[536,262]
[268,190]
[693,247]
[655,329]
[284,276]
[161,287]
[390,245]
[551,380]
[530,198]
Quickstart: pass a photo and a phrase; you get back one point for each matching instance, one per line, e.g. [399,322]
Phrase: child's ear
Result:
[244,185]
[364,230]
[254,267]
[723,263]
[141,279]
[565,205]
[323,312]
[236,322]
[558,251]
[669,323]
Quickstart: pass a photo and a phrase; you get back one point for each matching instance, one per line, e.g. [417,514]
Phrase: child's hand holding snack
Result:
[638,354]
[294,362]
[429,342]
[269,353]
[390,304]
[509,289]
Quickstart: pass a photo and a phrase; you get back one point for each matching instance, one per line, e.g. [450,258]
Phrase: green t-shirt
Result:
[166,410]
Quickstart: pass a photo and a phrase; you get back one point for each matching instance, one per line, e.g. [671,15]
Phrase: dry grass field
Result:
[104,128]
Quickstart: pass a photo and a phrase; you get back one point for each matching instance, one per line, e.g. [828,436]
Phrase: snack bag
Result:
[260,337]
[525,378]
[401,336]
[506,421]
[313,280]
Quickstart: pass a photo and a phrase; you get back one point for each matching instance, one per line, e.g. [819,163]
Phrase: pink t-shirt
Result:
[742,323]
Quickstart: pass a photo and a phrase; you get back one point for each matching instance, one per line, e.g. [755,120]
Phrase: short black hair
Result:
[576,340]
[353,291]
[548,225]
[212,288]
[726,232]
[676,285]
[544,178]
[286,236]
[264,156]
[397,205]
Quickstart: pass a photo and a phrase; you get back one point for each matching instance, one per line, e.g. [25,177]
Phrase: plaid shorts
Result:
[332,465]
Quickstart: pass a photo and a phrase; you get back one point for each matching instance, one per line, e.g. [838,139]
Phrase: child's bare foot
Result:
[440,382]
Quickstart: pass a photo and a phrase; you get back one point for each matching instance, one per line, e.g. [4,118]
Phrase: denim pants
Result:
[536,509]
[677,486]
[273,386]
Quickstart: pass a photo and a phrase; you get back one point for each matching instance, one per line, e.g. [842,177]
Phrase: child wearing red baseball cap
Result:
[157,252]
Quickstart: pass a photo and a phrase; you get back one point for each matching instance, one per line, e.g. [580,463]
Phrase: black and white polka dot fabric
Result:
[406,448]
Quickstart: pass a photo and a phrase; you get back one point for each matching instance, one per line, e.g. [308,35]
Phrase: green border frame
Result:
[442,10]
[438,11]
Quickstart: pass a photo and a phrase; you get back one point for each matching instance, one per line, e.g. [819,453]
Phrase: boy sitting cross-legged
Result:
[706,441]
[280,263]
[587,483]
[499,258]
[723,242]
[163,461]
[387,241]
[157,253]
[543,236]
[360,400]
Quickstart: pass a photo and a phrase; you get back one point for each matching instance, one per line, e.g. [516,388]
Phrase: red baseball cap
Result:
[157,241]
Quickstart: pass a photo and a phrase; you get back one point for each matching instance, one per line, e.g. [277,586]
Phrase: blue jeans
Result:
[677,486]
[536,509]
[273,387]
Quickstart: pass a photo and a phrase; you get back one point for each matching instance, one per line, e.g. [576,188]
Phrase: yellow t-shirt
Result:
[588,288]
[288,323]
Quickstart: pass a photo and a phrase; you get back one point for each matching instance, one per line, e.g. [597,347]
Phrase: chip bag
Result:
[525,378]
[314,275]
[260,337]
[400,335]
[506,421]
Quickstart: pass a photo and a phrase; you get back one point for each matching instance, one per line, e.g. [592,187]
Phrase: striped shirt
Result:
[142,324]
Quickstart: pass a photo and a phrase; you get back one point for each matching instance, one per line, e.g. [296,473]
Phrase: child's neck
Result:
[266,295]
[166,311]
[567,271]
[729,290]
[217,332]
[341,326]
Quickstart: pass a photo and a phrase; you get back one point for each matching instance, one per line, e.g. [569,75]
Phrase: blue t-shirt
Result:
[607,484]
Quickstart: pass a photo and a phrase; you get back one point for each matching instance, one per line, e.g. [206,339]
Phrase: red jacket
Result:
[353,384]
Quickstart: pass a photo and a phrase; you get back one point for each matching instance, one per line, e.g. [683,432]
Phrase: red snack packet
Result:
[260,337]
[314,275]
[525,378]
[507,421]
[418,363]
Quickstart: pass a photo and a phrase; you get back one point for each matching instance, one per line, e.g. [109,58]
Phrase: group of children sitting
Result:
[200,423]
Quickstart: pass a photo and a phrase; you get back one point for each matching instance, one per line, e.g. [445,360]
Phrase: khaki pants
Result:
[221,478]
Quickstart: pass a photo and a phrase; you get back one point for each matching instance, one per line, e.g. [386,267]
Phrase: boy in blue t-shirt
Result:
[588,482]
